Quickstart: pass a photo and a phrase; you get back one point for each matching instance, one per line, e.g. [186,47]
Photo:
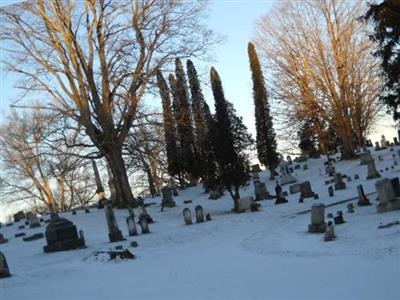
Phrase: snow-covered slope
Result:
[261,255]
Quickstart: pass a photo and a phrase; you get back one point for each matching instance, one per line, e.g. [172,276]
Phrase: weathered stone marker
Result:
[130,222]
[244,203]
[4,269]
[286,177]
[362,199]
[330,191]
[317,219]
[33,220]
[19,216]
[329,233]
[260,190]
[144,225]
[280,198]
[167,200]
[387,195]
[34,237]
[114,233]
[339,218]
[61,235]
[350,208]
[305,190]
[187,216]
[199,214]
[372,171]
[339,184]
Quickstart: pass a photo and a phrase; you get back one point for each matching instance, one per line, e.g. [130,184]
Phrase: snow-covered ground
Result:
[261,255]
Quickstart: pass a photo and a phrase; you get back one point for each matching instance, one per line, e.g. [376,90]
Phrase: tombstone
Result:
[316,196]
[87,210]
[356,177]
[289,160]
[208,217]
[377,146]
[130,222]
[167,200]
[175,193]
[214,195]
[260,190]
[350,208]
[383,142]
[349,179]
[254,207]
[305,167]
[144,225]
[380,157]
[297,167]
[279,195]
[329,233]
[81,235]
[305,190]
[19,216]
[286,177]
[317,219]
[396,141]
[331,191]
[73,212]
[244,203]
[4,270]
[33,221]
[387,196]
[19,234]
[338,219]
[339,184]
[187,201]
[294,188]
[61,234]
[187,216]
[396,186]
[301,200]
[114,234]
[33,237]
[362,199]
[199,214]
[21,227]
[2,239]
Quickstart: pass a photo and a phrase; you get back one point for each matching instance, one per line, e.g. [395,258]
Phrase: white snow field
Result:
[261,255]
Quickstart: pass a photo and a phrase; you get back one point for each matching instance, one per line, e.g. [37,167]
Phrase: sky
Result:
[235,20]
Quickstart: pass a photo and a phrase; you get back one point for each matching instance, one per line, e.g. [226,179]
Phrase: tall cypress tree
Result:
[232,166]
[265,137]
[169,127]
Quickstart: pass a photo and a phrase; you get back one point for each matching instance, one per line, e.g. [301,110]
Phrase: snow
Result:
[261,255]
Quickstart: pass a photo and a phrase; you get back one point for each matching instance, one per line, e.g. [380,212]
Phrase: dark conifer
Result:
[265,135]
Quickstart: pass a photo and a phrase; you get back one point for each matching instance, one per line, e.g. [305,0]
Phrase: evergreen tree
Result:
[169,127]
[386,19]
[232,166]
[265,135]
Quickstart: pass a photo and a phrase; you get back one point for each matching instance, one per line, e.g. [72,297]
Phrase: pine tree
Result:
[265,135]
[232,166]
[169,127]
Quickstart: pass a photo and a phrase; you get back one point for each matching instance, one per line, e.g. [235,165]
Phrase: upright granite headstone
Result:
[19,216]
[372,171]
[33,221]
[187,216]
[199,214]
[305,190]
[61,235]
[4,270]
[144,225]
[339,184]
[286,177]
[362,199]
[260,190]
[114,234]
[329,233]
[280,198]
[130,222]
[167,200]
[318,224]
[244,203]
[387,196]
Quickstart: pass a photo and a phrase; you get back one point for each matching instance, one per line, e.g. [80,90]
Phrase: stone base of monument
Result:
[389,206]
[115,236]
[61,235]
[317,228]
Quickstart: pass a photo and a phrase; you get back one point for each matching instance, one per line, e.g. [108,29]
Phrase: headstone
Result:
[305,167]
[396,186]
[19,216]
[279,195]
[33,237]
[286,177]
[350,208]
[19,234]
[2,239]
[297,167]
[329,233]
[316,196]
[380,157]
[349,179]
[387,196]
[244,203]
[167,200]
[330,169]
[208,217]
[305,190]
[74,212]
[254,206]
[339,184]
[87,211]
[339,218]
[175,193]
[199,214]
[61,235]
[364,157]
[33,220]
[214,195]
[21,227]
[144,224]
[187,216]
[134,244]
[187,201]
[383,142]
[317,219]
[130,222]
[377,147]
[114,234]
[294,188]
[356,177]
[362,199]
[260,190]
[4,269]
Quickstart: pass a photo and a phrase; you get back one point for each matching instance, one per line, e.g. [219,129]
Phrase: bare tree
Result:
[96,58]
[321,68]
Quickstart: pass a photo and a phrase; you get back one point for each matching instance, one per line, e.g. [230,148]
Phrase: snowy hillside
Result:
[261,255]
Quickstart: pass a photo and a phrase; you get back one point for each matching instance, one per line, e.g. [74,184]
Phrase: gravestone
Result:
[33,237]
[396,186]
[305,167]
[244,203]
[4,269]
[329,233]
[297,167]
[144,225]
[114,234]
[377,147]
[364,157]
[356,177]
[387,196]
[208,217]
[350,208]
[294,188]
[214,195]
[254,207]
[187,201]
[372,171]
[130,222]
[187,216]
[317,219]
[349,179]
[330,169]
[73,212]
[280,198]
[33,220]
[339,184]
[383,142]
[260,190]
[167,200]
[289,159]
[19,234]
[199,214]
[61,235]
[305,190]
[21,227]
[19,216]
[2,239]
[286,177]
[11,224]
[339,218]
[362,199]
